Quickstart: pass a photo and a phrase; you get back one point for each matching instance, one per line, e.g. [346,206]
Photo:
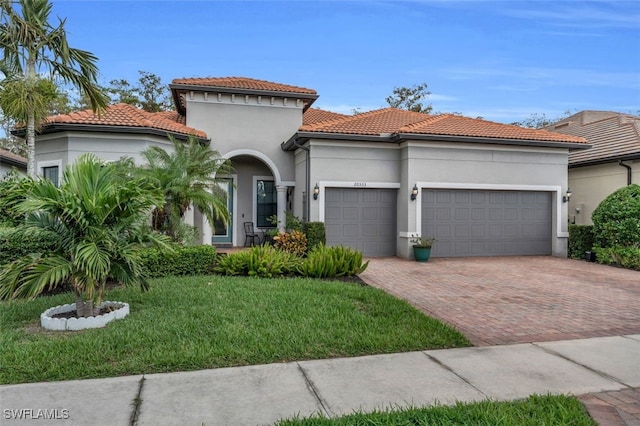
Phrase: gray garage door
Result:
[364,219]
[487,223]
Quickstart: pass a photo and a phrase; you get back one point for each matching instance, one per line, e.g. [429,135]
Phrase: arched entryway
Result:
[255,193]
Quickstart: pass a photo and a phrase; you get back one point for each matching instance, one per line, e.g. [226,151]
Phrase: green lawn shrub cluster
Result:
[294,242]
[580,240]
[327,262]
[259,261]
[316,234]
[182,260]
[627,257]
[616,228]
[268,261]
[19,242]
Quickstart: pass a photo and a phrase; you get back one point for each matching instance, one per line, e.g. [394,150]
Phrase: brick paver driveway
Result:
[499,300]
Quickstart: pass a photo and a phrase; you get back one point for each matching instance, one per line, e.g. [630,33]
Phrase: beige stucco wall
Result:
[592,184]
[247,127]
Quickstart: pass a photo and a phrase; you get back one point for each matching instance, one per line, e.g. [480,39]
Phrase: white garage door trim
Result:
[324,184]
[496,187]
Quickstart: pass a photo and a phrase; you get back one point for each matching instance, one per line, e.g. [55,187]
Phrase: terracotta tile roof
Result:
[124,115]
[456,125]
[396,121]
[613,135]
[243,83]
[10,156]
[387,120]
[316,115]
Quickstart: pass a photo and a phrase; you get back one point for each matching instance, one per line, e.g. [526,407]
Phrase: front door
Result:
[223,233]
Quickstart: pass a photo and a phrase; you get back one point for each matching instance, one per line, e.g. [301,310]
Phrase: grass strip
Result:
[536,410]
[193,323]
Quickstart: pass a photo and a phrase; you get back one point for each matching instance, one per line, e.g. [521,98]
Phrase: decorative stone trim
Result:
[48,322]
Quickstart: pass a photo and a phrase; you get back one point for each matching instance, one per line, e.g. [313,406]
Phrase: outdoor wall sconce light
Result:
[567,196]
[316,191]
[414,193]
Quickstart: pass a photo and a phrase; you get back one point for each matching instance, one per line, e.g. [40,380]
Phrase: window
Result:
[266,202]
[51,173]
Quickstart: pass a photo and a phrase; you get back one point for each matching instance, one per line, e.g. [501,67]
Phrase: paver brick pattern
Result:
[615,408]
[503,300]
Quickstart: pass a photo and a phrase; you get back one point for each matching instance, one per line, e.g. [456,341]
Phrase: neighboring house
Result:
[611,163]
[375,179]
[9,161]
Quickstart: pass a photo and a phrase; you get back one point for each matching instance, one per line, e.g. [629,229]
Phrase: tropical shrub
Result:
[186,177]
[294,242]
[327,262]
[316,234]
[13,190]
[259,261]
[16,243]
[189,260]
[580,240]
[233,264]
[99,215]
[627,257]
[616,221]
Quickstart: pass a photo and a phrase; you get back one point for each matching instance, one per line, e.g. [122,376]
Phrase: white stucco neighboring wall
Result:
[592,184]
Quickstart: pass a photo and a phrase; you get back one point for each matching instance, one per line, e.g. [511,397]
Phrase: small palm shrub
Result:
[259,261]
[327,262]
[294,242]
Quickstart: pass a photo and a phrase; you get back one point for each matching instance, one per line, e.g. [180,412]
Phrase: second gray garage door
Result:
[487,223]
[364,219]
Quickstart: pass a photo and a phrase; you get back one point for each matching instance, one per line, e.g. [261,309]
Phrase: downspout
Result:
[307,178]
[621,164]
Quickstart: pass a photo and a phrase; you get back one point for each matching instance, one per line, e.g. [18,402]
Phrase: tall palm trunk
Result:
[31,124]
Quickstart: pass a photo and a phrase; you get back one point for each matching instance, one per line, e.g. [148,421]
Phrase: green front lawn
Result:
[534,411]
[193,323]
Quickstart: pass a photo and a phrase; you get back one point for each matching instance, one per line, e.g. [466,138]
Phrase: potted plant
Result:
[422,248]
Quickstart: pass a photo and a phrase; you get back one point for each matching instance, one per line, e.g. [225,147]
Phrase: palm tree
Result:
[32,47]
[100,216]
[187,176]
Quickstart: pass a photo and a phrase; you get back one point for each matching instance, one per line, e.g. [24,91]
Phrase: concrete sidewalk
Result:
[263,394]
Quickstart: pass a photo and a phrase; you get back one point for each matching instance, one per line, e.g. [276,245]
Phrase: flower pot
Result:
[421,253]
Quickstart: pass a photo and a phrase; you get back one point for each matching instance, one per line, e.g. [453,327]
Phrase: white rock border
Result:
[49,323]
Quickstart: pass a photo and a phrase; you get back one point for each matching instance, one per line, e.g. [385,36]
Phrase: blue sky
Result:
[502,60]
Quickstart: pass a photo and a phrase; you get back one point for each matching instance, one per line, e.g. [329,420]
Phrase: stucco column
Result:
[206,232]
[188,217]
[282,206]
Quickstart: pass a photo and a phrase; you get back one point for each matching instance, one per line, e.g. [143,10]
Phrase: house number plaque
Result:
[359,184]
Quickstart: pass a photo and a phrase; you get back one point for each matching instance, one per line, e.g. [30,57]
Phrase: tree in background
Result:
[149,94]
[35,54]
[186,177]
[538,121]
[410,98]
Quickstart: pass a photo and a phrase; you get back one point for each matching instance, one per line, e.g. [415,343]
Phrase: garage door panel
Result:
[487,223]
[364,219]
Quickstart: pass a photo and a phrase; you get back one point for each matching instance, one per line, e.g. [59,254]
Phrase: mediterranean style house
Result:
[611,163]
[376,179]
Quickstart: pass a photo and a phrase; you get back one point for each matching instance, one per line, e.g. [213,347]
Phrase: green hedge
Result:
[627,257]
[580,240]
[316,234]
[616,220]
[189,260]
[19,242]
